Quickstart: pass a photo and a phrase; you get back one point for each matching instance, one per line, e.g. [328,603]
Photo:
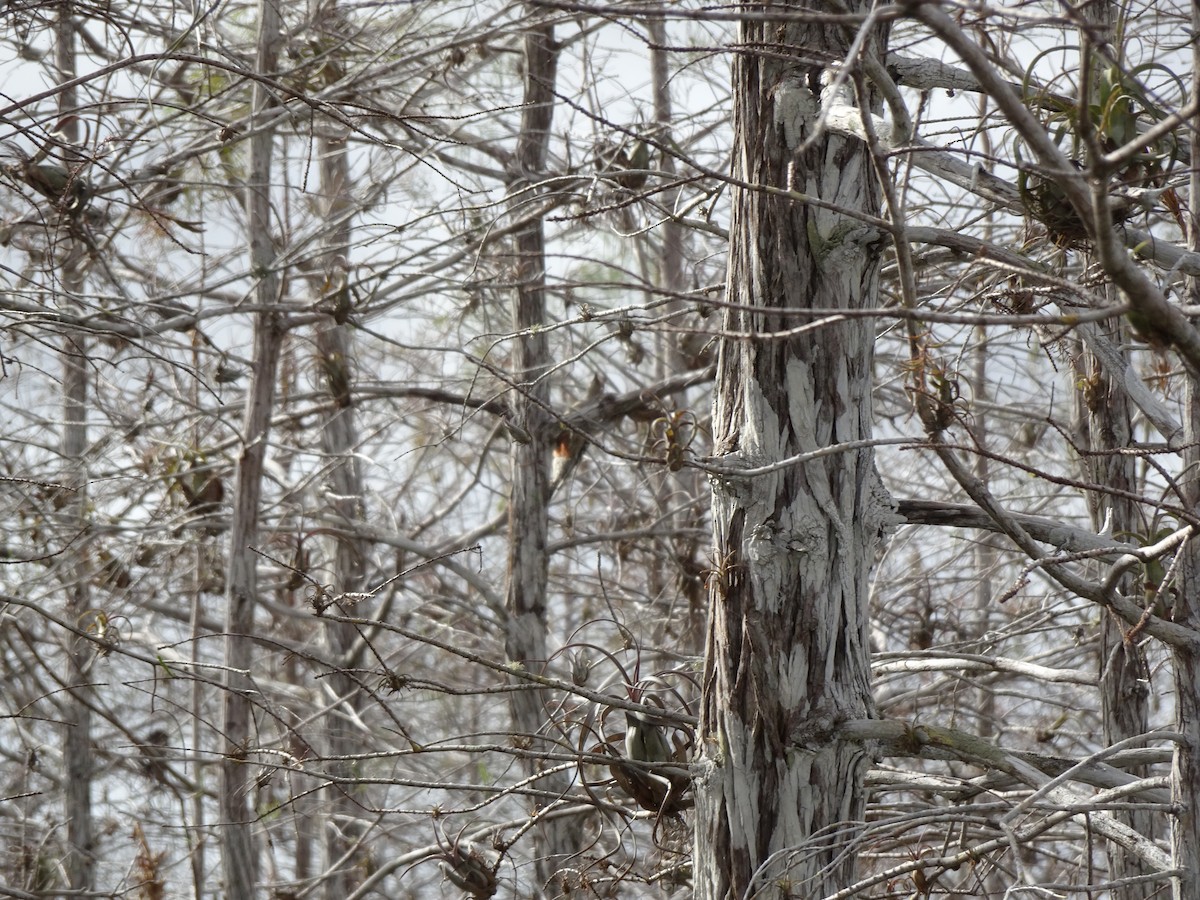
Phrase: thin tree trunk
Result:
[1105,426]
[1105,418]
[198,838]
[993,882]
[671,487]
[528,558]
[236,793]
[78,762]
[985,551]
[670,255]
[780,797]
[339,438]
[1185,772]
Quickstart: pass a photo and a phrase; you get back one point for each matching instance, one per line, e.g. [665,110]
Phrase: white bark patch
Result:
[770,543]
[741,785]
[760,433]
[841,175]
[795,107]
[793,680]
[795,780]
[765,572]
[803,408]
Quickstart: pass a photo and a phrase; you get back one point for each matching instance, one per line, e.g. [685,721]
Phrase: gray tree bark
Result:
[670,256]
[236,790]
[780,796]
[1185,774]
[1104,421]
[78,759]
[1105,427]
[528,557]
[677,353]
[339,438]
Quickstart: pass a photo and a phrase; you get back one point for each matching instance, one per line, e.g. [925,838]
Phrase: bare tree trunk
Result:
[236,793]
[1185,773]
[199,730]
[1105,428]
[1105,420]
[339,438]
[673,358]
[528,558]
[992,882]
[78,761]
[780,796]
[985,551]
[671,253]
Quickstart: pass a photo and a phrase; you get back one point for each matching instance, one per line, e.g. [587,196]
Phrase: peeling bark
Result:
[780,794]
[1104,423]
[1105,420]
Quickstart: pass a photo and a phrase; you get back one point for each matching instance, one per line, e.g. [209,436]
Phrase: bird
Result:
[644,739]
[665,791]
[50,179]
[634,164]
